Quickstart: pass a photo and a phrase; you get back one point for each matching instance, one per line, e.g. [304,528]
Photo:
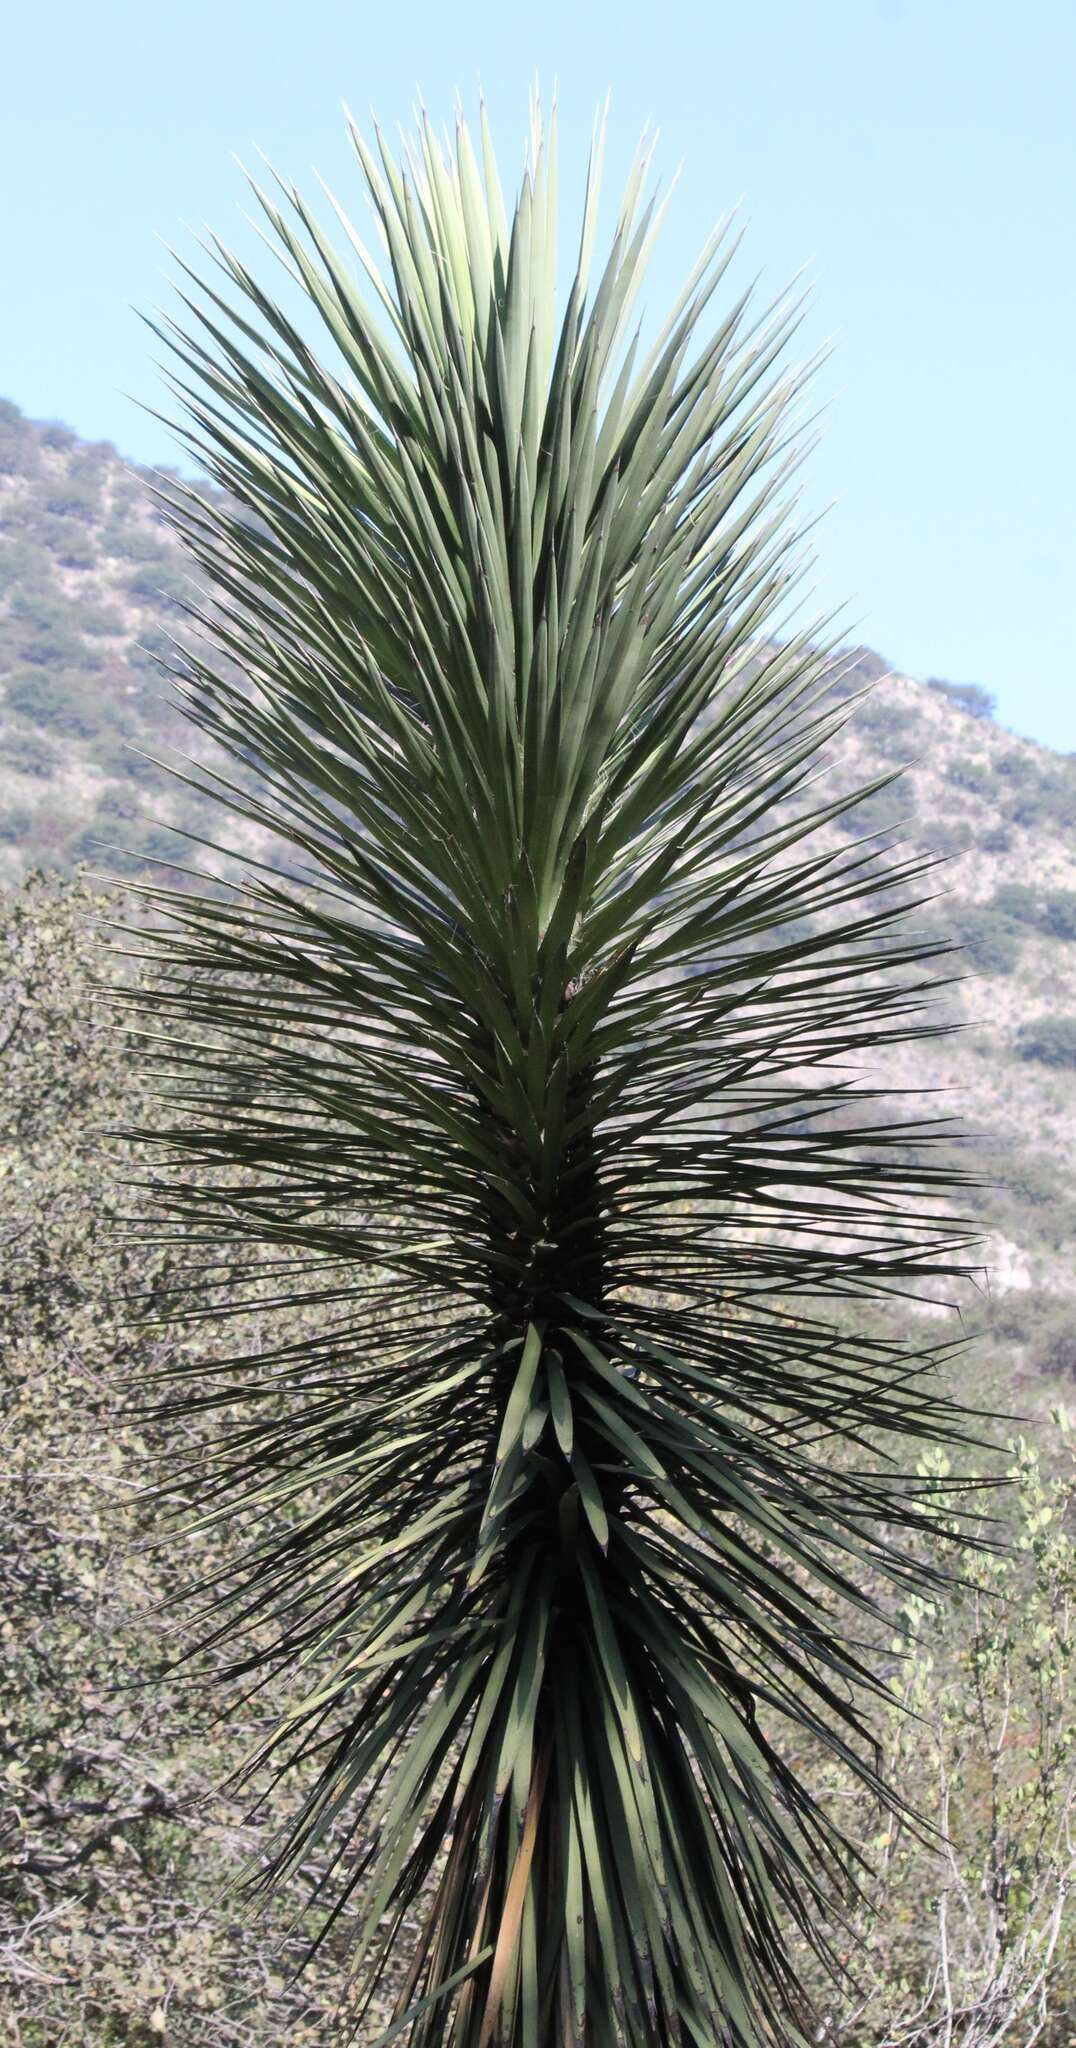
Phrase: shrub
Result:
[948,839]
[1053,1340]
[971,772]
[1036,793]
[128,765]
[1059,914]
[15,821]
[20,566]
[53,434]
[67,540]
[19,451]
[972,1939]
[152,647]
[991,941]
[886,810]
[1016,900]
[969,697]
[132,541]
[63,702]
[30,753]
[1050,1040]
[891,726]
[161,583]
[72,498]
[119,831]
[102,620]
[46,632]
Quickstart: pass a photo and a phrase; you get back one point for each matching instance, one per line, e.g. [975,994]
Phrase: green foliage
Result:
[1058,916]
[891,727]
[160,583]
[54,435]
[991,941]
[996,839]
[20,567]
[30,753]
[20,453]
[72,498]
[971,1939]
[129,764]
[15,819]
[1050,1040]
[44,628]
[153,647]
[64,704]
[135,540]
[969,697]
[118,1842]
[882,812]
[120,838]
[1035,794]
[527,1033]
[1052,911]
[853,667]
[972,772]
[104,620]
[1017,901]
[69,542]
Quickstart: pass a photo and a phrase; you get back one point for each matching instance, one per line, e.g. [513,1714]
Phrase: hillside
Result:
[91,585]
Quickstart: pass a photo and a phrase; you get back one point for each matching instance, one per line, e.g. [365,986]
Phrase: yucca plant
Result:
[538,1063]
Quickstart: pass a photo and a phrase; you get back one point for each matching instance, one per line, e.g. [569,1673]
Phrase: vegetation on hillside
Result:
[117,1842]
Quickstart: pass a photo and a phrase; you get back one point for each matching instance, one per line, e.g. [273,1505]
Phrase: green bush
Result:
[20,566]
[30,753]
[72,498]
[996,839]
[1016,900]
[991,941]
[888,810]
[1052,912]
[19,451]
[152,647]
[1053,1348]
[1050,1040]
[119,837]
[132,541]
[127,764]
[1059,913]
[855,667]
[53,434]
[113,1922]
[102,620]
[969,697]
[1037,794]
[68,541]
[971,772]
[15,822]
[161,583]
[890,726]
[45,629]
[950,839]
[61,702]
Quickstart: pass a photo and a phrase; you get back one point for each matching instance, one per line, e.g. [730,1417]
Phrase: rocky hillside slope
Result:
[90,589]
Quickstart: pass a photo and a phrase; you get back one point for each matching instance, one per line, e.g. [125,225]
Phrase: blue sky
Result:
[916,155]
